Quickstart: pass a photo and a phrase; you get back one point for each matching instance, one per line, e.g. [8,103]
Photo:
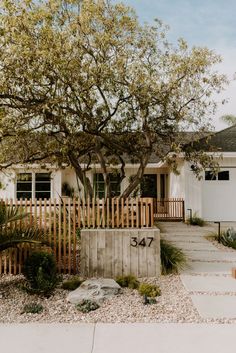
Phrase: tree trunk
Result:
[88,189]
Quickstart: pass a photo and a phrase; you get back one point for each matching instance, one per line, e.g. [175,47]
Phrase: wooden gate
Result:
[169,210]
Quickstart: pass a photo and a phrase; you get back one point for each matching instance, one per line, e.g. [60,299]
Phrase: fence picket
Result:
[61,218]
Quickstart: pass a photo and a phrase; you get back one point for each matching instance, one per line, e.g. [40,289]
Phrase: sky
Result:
[210,23]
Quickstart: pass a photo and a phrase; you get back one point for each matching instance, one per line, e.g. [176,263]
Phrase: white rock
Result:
[94,289]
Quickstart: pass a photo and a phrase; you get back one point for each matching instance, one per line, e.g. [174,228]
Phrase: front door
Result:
[148,186]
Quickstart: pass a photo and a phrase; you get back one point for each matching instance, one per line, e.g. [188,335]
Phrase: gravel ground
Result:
[174,305]
[219,245]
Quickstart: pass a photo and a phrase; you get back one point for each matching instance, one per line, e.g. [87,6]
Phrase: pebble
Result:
[173,306]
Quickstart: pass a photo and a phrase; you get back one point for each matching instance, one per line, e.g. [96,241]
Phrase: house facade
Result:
[212,198]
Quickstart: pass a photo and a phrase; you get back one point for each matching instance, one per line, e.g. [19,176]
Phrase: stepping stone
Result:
[211,255]
[215,307]
[209,284]
[197,246]
[209,267]
[187,239]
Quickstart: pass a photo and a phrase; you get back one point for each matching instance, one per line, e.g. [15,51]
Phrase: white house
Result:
[212,198]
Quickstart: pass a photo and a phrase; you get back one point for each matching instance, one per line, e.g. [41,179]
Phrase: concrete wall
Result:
[115,252]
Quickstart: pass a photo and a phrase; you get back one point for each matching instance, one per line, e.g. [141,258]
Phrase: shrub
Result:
[149,290]
[87,305]
[32,308]
[172,258]
[72,283]
[196,221]
[129,281]
[227,238]
[41,273]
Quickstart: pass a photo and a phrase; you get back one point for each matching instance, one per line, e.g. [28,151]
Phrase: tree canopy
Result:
[83,82]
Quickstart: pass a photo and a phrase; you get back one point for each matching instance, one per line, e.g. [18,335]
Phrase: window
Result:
[42,186]
[100,185]
[222,175]
[24,186]
[210,175]
[33,185]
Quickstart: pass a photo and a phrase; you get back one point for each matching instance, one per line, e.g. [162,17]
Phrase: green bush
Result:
[87,305]
[72,283]
[196,221]
[129,281]
[32,308]
[41,273]
[149,290]
[227,238]
[172,258]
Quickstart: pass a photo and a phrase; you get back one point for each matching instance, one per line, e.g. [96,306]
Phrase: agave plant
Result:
[12,236]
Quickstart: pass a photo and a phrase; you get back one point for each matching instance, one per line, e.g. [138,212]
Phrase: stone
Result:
[96,290]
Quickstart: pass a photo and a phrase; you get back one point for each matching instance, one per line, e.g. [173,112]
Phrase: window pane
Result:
[24,186]
[43,177]
[100,185]
[42,186]
[209,175]
[24,177]
[224,175]
[24,195]
[42,195]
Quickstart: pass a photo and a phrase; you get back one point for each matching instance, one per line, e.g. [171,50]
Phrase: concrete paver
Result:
[209,267]
[164,338]
[209,264]
[186,239]
[206,284]
[215,306]
[211,255]
[45,338]
[197,246]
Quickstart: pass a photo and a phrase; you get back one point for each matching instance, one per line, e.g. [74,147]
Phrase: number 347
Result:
[143,242]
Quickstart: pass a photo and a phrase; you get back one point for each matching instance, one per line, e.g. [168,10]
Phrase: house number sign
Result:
[143,242]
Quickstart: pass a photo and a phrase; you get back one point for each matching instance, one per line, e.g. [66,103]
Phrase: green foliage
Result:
[11,235]
[128,281]
[149,290]
[55,97]
[172,258]
[229,119]
[227,238]
[72,283]
[196,221]
[32,308]
[87,305]
[41,273]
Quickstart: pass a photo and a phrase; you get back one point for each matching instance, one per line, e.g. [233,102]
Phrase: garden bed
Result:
[174,305]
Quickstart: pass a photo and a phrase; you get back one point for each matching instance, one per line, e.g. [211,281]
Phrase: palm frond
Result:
[9,214]
[15,237]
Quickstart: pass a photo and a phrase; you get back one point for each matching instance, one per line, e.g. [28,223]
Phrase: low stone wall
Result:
[112,252]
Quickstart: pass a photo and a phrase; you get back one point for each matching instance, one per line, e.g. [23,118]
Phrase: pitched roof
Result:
[221,141]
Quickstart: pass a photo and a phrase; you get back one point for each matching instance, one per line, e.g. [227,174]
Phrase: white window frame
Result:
[33,180]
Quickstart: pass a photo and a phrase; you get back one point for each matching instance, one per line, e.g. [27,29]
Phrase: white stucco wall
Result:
[212,200]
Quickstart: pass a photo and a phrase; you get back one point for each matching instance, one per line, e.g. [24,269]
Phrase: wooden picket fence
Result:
[169,210]
[61,220]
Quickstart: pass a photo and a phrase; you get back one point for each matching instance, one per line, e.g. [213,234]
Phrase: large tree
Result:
[84,82]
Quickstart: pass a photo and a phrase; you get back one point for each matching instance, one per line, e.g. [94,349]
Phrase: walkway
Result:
[208,277]
[117,338]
